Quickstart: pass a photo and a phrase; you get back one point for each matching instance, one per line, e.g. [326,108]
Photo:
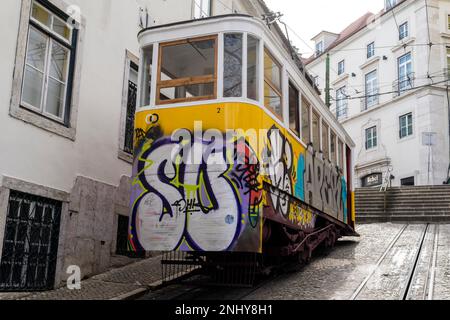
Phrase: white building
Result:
[68,76]
[389,88]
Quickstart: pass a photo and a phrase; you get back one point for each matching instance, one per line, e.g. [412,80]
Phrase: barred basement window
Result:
[30,246]
[49,65]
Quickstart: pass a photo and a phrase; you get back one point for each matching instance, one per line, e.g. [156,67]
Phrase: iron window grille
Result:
[131,111]
[30,245]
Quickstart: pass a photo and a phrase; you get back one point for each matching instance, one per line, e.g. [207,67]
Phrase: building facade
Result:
[389,88]
[68,83]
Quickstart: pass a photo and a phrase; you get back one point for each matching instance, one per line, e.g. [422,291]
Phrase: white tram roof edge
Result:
[233,23]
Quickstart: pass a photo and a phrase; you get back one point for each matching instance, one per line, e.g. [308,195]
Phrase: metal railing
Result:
[342,111]
[404,84]
[371,99]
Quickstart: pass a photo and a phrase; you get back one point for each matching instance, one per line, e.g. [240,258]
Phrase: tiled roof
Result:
[349,31]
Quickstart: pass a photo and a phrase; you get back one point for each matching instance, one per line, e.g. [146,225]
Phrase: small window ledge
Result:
[43,122]
[401,44]
[341,78]
[445,34]
[125,156]
[369,62]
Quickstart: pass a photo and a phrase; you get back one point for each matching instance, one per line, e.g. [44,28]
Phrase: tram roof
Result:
[194,21]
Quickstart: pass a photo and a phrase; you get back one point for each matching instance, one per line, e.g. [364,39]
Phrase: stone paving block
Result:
[115,283]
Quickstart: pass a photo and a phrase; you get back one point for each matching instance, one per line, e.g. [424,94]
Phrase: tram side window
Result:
[306,134]
[294,117]
[252,68]
[341,154]
[272,85]
[146,79]
[316,131]
[325,140]
[232,77]
[333,148]
[187,70]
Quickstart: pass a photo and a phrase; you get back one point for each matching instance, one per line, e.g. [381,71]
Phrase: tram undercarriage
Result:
[283,246]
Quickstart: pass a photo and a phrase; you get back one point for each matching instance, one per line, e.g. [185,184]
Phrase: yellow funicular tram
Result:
[236,156]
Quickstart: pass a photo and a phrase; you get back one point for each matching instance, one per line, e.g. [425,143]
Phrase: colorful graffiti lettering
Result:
[279,166]
[195,206]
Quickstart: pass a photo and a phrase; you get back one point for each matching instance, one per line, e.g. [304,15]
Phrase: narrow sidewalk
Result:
[117,284]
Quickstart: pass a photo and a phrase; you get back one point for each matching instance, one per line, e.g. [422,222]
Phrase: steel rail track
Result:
[413,271]
[432,271]
[391,245]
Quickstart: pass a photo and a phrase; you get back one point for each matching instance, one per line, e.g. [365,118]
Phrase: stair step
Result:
[404,218]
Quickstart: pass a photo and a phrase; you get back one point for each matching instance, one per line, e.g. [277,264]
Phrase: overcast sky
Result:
[308,18]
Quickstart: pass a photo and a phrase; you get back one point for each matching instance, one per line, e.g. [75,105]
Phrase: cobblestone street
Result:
[388,261]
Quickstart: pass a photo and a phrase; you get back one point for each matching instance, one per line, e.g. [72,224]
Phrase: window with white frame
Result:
[202,9]
[341,103]
[370,50]
[403,31]
[49,63]
[371,98]
[406,125]
[371,138]
[319,48]
[341,67]
[405,72]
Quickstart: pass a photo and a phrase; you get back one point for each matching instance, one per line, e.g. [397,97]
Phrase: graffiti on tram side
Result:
[204,192]
[188,205]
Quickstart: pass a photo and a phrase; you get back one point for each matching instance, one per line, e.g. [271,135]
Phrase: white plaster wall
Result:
[428,106]
[40,157]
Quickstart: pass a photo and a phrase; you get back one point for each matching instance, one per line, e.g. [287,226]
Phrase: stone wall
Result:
[91,226]
[89,220]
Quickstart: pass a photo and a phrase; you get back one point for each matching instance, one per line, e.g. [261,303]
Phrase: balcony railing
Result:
[342,111]
[404,84]
[371,99]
